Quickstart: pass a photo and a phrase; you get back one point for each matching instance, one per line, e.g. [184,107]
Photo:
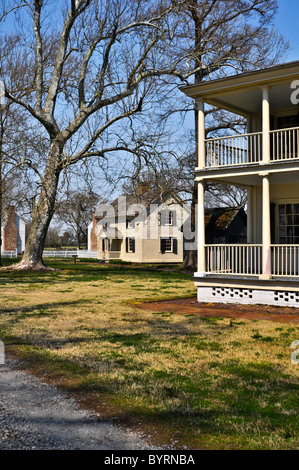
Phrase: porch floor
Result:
[190,306]
[276,279]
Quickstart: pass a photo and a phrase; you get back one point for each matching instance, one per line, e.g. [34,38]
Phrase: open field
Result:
[207,382]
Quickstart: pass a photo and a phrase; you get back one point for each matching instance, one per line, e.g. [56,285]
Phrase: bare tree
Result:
[76,212]
[82,80]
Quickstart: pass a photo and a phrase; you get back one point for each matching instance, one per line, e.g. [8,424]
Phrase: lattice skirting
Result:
[234,295]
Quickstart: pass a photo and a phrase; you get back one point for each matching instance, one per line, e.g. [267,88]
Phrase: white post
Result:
[201,257]
[266,229]
[250,215]
[201,135]
[266,124]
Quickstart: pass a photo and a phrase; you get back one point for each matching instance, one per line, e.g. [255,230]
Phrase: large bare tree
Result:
[88,66]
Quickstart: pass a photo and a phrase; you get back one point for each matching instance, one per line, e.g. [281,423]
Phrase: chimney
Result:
[93,237]
[10,231]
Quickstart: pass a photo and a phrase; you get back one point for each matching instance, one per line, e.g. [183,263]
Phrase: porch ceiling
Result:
[251,177]
[242,95]
[248,101]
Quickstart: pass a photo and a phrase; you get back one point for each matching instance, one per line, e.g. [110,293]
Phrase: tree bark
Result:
[33,254]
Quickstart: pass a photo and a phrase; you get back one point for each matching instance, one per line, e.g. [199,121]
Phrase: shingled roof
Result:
[220,218]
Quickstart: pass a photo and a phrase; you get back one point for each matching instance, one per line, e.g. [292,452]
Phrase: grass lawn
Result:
[205,383]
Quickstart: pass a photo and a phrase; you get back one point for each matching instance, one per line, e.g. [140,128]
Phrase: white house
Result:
[265,161]
[141,229]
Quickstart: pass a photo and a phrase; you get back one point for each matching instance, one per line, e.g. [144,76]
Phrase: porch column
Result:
[201,256]
[266,228]
[201,135]
[250,215]
[266,124]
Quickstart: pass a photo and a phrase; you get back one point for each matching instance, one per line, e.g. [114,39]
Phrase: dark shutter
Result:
[127,245]
[175,246]
[272,221]
[174,218]
[162,245]
[133,245]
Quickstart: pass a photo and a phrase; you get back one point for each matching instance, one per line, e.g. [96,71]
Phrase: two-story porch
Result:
[265,161]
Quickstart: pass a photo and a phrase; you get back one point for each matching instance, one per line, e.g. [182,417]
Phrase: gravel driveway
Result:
[35,415]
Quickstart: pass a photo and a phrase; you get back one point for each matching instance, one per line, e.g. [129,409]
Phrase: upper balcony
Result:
[247,149]
[269,101]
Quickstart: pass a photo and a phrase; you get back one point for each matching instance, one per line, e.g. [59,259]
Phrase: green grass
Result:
[208,382]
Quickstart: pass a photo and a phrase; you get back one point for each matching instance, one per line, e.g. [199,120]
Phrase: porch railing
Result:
[113,254]
[234,150]
[284,144]
[247,148]
[285,260]
[245,260]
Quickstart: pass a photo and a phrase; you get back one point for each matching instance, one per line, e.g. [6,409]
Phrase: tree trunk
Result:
[32,258]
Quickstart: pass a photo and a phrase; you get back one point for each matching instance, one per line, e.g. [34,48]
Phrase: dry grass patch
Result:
[208,382]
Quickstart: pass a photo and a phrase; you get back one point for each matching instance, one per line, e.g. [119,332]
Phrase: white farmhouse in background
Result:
[265,161]
[141,229]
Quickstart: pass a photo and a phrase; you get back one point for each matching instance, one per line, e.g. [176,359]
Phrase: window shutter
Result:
[175,246]
[133,245]
[127,245]
[162,245]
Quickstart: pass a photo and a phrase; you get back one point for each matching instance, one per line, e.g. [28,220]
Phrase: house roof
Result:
[220,218]
[109,232]
[123,202]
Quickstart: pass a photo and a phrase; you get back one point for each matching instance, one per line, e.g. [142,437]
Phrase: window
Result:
[288,224]
[130,223]
[166,217]
[169,219]
[169,245]
[130,245]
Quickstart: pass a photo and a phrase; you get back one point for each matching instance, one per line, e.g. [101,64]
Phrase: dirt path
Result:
[251,312]
[35,415]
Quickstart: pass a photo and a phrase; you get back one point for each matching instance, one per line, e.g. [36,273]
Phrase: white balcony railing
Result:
[285,260]
[246,149]
[245,260]
[113,254]
[234,150]
[284,144]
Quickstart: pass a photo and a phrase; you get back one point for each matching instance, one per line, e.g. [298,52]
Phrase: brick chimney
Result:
[93,237]
[10,231]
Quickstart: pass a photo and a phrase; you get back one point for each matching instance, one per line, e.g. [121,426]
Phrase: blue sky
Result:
[287,21]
